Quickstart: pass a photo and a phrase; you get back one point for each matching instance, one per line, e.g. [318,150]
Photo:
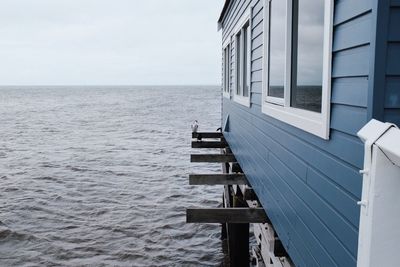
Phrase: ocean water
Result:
[98,176]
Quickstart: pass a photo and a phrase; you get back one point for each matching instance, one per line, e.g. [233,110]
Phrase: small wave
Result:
[49,165]
[87,207]
[114,173]
[11,189]
[77,169]
[10,235]
[46,178]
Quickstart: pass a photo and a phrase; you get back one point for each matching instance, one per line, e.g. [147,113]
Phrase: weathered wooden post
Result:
[238,238]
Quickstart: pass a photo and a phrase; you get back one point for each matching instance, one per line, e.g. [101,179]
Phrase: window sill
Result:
[311,122]
[226,94]
[245,101]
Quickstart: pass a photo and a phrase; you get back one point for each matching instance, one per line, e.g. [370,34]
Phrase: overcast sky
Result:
[85,42]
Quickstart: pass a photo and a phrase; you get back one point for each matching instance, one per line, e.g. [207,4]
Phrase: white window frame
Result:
[226,89]
[246,18]
[309,121]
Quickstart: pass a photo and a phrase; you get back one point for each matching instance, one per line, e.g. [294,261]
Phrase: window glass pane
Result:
[308,39]
[246,46]
[277,29]
[226,69]
[238,62]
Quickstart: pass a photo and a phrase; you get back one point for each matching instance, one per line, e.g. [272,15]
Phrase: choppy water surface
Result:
[98,177]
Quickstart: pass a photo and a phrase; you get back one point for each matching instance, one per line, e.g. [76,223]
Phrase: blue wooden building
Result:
[300,79]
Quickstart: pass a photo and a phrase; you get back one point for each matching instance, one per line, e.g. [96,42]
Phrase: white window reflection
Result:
[277,52]
[238,64]
[307,54]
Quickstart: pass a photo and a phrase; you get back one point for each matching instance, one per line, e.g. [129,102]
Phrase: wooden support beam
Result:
[207,135]
[212,158]
[227,196]
[217,179]
[236,167]
[238,238]
[224,232]
[248,192]
[209,144]
[226,215]
[279,249]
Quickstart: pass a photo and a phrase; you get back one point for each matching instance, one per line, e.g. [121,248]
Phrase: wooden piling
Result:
[238,239]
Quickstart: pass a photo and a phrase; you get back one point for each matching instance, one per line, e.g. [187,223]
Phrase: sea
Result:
[98,176]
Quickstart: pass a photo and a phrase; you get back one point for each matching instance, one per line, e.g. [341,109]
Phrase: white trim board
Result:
[225,45]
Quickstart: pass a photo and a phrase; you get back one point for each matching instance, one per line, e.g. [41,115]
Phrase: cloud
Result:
[109,42]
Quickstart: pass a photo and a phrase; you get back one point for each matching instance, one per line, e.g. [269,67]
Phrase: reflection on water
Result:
[98,176]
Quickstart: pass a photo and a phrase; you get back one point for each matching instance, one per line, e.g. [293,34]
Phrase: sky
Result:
[110,42]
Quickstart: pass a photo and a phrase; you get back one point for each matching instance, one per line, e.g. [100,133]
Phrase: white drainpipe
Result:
[379,230]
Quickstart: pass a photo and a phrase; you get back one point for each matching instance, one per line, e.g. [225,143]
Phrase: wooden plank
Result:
[209,144]
[207,135]
[217,179]
[238,238]
[227,196]
[212,158]
[226,215]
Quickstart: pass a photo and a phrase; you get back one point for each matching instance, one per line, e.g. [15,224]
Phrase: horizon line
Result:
[104,85]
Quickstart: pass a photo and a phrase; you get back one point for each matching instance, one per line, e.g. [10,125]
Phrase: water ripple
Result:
[98,177]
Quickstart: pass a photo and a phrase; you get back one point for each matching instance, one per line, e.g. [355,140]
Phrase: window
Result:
[242,61]
[227,70]
[297,63]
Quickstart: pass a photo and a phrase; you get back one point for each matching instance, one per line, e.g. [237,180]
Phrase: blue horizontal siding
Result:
[258,15]
[336,169]
[353,33]
[348,119]
[256,76]
[348,9]
[256,64]
[256,98]
[257,42]
[308,186]
[256,87]
[257,52]
[353,62]
[350,91]
[294,171]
